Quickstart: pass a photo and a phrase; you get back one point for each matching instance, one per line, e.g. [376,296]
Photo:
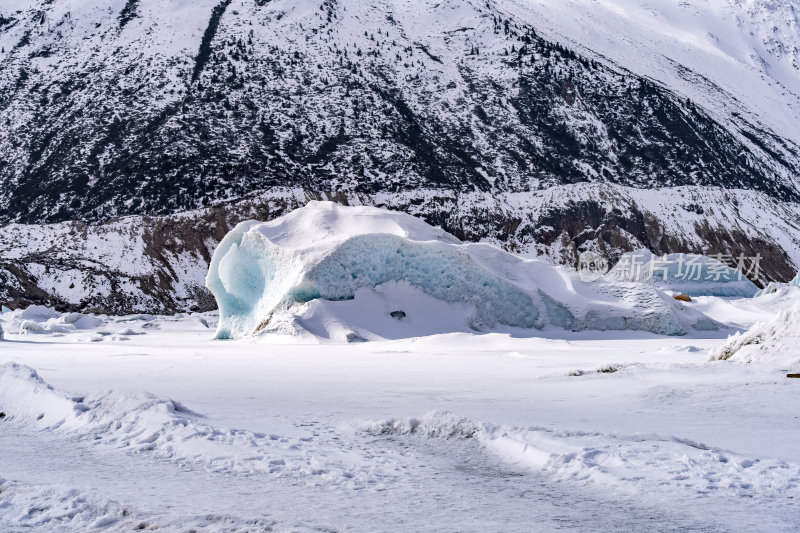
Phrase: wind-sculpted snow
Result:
[145,424]
[774,342]
[265,275]
[625,462]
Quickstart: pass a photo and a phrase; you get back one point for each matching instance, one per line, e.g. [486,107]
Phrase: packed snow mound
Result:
[331,270]
[774,342]
[43,321]
[692,274]
[36,313]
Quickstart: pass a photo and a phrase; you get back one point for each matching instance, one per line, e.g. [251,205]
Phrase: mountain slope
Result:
[738,58]
[151,108]
[545,127]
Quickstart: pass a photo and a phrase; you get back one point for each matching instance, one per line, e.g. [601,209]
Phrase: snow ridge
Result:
[621,462]
[144,424]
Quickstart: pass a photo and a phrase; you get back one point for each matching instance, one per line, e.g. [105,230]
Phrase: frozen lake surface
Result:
[171,430]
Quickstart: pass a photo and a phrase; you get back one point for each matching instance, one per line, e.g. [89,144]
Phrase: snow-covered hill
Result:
[724,54]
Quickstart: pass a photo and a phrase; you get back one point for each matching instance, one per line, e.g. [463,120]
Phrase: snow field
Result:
[308,435]
[144,424]
[623,462]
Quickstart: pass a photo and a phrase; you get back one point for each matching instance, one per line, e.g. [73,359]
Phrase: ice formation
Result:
[350,272]
[775,341]
[39,320]
[774,287]
[692,274]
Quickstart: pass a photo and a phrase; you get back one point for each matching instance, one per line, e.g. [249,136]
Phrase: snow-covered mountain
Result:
[536,124]
[731,56]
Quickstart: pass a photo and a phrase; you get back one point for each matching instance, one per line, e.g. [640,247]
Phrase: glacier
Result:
[775,287]
[771,343]
[692,274]
[355,273]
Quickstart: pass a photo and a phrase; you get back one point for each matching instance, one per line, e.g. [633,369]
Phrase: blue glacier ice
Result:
[692,274]
[439,269]
[349,272]
[252,277]
[774,287]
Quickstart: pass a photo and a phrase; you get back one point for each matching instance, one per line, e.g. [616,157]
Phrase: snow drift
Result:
[141,423]
[773,342]
[634,462]
[352,273]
